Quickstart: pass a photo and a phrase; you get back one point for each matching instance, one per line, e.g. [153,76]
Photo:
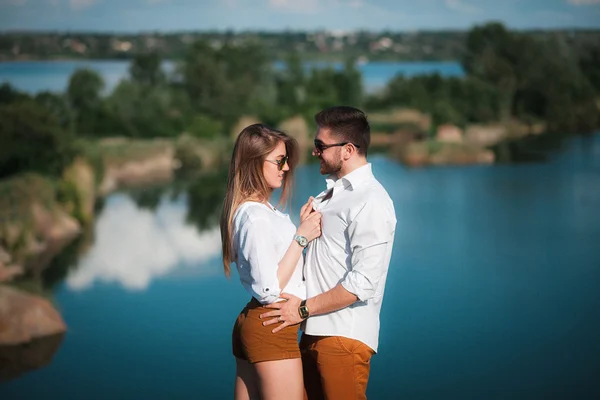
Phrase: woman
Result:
[267,250]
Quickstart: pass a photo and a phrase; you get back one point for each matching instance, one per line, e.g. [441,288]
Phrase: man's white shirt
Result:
[261,237]
[358,226]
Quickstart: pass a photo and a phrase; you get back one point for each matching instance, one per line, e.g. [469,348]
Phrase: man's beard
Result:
[330,167]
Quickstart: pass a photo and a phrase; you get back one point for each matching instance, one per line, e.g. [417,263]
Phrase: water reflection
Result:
[206,199]
[134,245]
[18,359]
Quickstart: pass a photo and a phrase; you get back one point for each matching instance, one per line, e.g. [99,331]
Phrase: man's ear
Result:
[349,152]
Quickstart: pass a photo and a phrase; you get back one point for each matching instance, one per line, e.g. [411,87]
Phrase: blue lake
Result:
[492,290]
[36,76]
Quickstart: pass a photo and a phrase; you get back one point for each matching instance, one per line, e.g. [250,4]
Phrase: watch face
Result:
[302,241]
[303,312]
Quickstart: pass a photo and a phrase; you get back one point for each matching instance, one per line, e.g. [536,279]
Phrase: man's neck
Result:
[351,166]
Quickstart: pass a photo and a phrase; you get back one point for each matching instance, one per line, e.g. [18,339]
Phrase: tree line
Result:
[509,75]
[381,45]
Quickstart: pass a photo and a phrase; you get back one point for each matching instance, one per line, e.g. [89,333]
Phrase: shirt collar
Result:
[353,179]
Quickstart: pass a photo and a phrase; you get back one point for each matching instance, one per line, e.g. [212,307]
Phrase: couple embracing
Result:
[326,276]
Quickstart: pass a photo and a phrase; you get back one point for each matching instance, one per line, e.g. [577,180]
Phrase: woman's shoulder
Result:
[251,211]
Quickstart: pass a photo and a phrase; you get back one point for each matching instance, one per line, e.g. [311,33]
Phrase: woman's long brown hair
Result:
[245,180]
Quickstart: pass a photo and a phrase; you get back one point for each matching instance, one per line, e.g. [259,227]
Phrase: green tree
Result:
[146,70]
[221,82]
[141,111]
[57,105]
[8,94]
[321,90]
[290,83]
[348,83]
[204,127]
[32,140]
[490,56]
[589,63]
[85,89]
[566,101]
[85,96]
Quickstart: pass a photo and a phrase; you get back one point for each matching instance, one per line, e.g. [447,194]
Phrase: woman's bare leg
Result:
[246,381]
[281,379]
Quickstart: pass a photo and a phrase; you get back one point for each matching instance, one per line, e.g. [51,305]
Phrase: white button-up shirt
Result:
[355,247]
[261,237]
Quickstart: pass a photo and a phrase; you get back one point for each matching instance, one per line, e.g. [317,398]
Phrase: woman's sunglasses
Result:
[280,163]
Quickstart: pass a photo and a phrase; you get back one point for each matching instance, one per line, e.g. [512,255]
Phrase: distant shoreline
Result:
[309,58]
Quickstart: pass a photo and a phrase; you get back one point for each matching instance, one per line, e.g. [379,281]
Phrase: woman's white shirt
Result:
[261,237]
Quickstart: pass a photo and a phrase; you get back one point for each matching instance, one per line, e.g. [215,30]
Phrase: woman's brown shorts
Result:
[254,342]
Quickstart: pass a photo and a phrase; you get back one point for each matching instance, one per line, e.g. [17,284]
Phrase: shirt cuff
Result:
[266,294]
[359,285]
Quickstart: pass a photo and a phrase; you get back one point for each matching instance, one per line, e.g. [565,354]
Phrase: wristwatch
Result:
[302,241]
[303,310]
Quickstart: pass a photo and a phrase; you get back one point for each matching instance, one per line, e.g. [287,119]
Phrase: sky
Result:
[295,15]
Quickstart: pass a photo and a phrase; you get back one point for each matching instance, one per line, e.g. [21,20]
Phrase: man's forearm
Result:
[332,300]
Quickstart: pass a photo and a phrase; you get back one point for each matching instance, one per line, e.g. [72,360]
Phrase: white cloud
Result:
[461,6]
[13,2]
[134,246]
[583,2]
[295,6]
[356,3]
[81,4]
[559,17]
[314,6]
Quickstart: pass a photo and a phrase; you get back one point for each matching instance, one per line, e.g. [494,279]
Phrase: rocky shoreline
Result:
[40,230]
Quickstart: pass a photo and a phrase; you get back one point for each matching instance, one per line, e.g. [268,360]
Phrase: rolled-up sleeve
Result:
[370,235]
[257,249]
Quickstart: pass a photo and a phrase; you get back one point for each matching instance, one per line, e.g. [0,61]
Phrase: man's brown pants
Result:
[335,367]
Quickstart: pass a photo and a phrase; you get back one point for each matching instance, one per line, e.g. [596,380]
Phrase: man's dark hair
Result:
[347,123]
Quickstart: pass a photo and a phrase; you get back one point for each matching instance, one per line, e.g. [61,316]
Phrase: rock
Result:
[195,154]
[243,122]
[403,116]
[17,359]
[24,317]
[443,153]
[485,135]
[128,162]
[155,168]
[8,273]
[4,256]
[11,234]
[81,175]
[486,157]
[109,184]
[415,154]
[448,133]
[54,226]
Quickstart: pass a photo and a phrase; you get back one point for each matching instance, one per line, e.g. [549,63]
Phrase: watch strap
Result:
[301,240]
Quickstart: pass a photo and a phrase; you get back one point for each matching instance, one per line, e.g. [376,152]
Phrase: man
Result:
[346,268]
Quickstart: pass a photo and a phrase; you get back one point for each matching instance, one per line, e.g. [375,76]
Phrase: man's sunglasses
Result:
[280,163]
[321,147]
